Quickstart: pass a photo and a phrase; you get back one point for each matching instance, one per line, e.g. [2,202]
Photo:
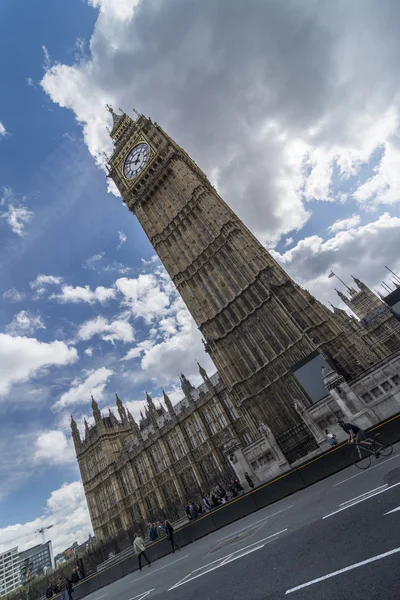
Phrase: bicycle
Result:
[362,453]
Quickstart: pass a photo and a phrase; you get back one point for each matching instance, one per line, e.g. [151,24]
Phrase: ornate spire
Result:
[113,418]
[75,432]
[116,118]
[96,411]
[150,402]
[203,372]
[168,403]
[87,430]
[341,295]
[358,282]
[121,409]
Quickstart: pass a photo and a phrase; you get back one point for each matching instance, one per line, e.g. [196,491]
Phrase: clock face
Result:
[136,160]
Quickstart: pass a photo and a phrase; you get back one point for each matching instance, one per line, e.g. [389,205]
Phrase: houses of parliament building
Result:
[260,328]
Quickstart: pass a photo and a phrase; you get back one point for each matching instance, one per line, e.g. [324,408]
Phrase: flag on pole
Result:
[331,274]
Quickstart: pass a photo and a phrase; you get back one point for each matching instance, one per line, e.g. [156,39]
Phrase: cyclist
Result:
[355,433]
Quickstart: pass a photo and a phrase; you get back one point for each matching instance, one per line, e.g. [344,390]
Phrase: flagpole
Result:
[393,273]
[341,281]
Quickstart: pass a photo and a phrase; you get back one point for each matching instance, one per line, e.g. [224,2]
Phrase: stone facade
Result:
[135,472]
[257,323]
[378,322]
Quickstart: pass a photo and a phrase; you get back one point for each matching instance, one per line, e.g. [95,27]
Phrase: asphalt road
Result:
[307,546]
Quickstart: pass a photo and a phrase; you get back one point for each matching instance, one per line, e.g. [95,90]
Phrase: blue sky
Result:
[296,132]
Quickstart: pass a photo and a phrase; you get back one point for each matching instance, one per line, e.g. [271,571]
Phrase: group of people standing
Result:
[65,584]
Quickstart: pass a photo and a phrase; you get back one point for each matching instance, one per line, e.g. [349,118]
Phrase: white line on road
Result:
[98,597]
[367,470]
[143,595]
[362,500]
[340,571]
[253,524]
[381,487]
[161,568]
[225,560]
[392,511]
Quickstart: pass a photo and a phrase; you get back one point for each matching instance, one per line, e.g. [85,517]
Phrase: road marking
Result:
[253,524]
[367,470]
[161,568]
[98,597]
[225,560]
[381,487]
[340,571]
[361,500]
[141,596]
[392,511]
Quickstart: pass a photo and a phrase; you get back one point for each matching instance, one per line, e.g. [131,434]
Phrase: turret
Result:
[168,404]
[96,412]
[186,386]
[87,430]
[113,418]
[121,409]
[151,410]
[203,374]
[75,433]
[150,403]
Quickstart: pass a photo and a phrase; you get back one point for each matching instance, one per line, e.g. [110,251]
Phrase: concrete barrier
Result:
[278,488]
[233,510]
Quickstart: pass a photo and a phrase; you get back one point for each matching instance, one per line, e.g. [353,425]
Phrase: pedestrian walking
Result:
[63,588]
[249,480]
[169,530]
[140,550]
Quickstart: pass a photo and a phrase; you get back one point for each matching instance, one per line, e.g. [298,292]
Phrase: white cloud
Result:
[138,350]
[3,130]
[121,239]
[99,263]
[109,331]
[94,383]
[84,294]
[39,285]
[279,134]
[352,221]
[66,510]
[25,323]
[22,358]
[288,241]
[144,296]
[29,82]
[46,58]
[17,217]
[45,280]
[176,352]
[361,251]
[89,351]
[13,295]
[54,448]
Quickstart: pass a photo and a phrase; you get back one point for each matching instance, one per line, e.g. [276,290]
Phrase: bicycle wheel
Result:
[361,457]
[383,449]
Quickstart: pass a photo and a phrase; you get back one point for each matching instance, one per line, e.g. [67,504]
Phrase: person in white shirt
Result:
[139,548]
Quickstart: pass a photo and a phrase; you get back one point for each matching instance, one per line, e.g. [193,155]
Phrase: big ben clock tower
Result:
[256,321]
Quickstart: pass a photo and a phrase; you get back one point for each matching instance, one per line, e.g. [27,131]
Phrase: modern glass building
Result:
[35,561]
